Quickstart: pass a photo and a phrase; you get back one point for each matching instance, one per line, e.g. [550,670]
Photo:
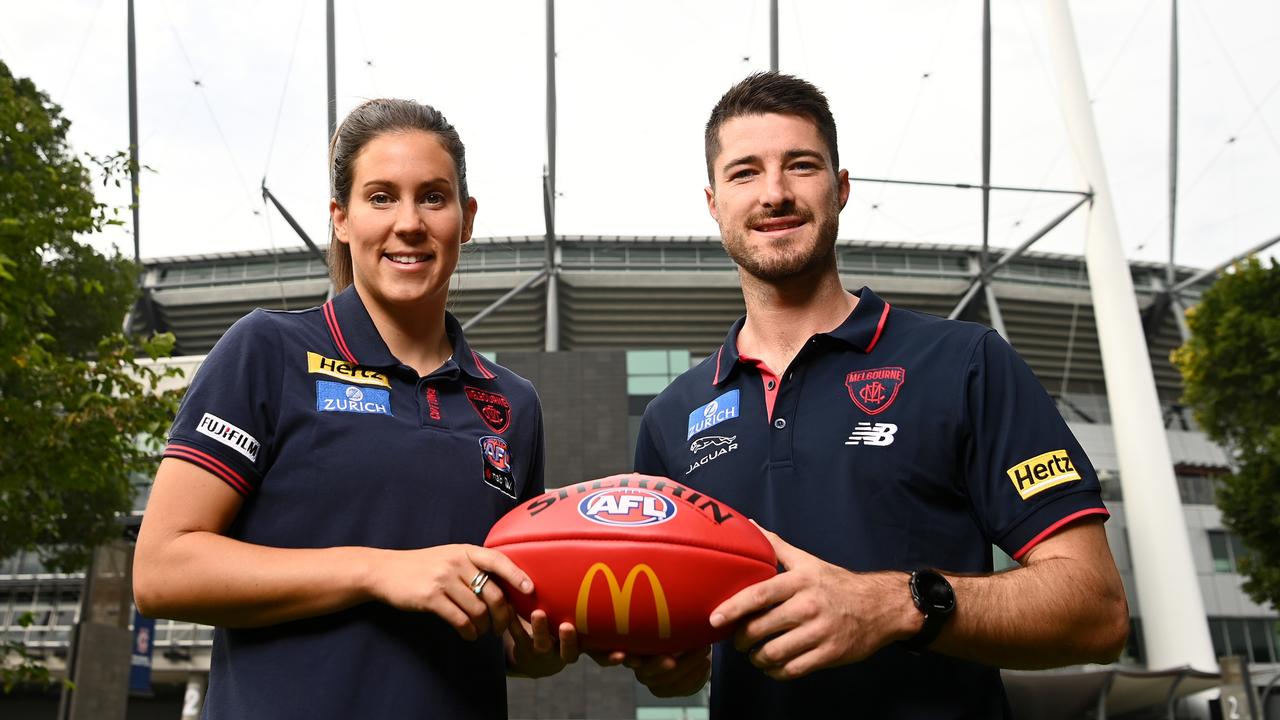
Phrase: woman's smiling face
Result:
[405,220]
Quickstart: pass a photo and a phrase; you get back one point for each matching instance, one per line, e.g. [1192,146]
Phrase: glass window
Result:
[1220,550]
[647,362]
[609,256]
[646,384]
[1238,551]
[890,261]
[1260,650]
[1219,635]
[1133,649]
[1237,642]
[679,361]
[1000,560]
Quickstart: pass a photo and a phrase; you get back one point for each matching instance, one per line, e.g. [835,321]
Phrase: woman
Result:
[332,472]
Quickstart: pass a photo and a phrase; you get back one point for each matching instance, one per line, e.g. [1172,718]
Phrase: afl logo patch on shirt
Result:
[337,397]
[713,413]
[1042,472]
[873,391]
[491,407]
[229,435]
[321,365]
[497,464]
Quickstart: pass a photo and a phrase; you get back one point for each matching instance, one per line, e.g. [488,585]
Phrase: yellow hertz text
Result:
[1042,472]
[344,371]
[621,597]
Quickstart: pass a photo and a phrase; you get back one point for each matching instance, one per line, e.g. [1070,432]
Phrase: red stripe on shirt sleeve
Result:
[884,315]
[331,319]
[1057,526]
[212,464]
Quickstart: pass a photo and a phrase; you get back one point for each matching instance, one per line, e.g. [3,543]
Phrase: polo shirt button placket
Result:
[780,423]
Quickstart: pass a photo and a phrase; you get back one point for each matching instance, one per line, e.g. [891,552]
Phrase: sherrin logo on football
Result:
[1037,474]
[627,507]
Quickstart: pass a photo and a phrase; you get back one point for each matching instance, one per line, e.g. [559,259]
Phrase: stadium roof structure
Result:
[629,292]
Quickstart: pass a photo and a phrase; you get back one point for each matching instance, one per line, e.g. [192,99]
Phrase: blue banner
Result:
[144,633]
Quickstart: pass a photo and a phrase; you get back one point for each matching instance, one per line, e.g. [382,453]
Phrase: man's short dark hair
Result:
[771,92]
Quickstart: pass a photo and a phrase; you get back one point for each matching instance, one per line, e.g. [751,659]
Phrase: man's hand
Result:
[817,615]
[533,652]
[676,675]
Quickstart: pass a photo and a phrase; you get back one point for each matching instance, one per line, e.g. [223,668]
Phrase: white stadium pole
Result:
[1175,629]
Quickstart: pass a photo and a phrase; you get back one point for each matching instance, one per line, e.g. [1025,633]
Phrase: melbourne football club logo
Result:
[873,391]
[627,507]
[492,408]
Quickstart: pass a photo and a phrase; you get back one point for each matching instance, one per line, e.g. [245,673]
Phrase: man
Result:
[887,449]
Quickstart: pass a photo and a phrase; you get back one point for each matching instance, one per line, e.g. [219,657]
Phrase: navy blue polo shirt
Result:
[333,442]
[897,441]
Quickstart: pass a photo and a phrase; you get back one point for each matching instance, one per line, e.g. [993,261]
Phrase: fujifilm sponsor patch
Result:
[339,397]
[713,413]
[229,435]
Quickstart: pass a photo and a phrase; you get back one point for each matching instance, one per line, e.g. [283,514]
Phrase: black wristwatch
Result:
[934,597]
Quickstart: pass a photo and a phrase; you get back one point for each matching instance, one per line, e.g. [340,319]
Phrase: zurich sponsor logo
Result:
[627,507]
[339,397]
[713,413]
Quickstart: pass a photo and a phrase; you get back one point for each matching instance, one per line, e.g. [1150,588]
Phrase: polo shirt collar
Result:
[861,330]
[357,341]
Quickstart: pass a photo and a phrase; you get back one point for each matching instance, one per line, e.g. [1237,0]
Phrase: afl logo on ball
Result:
[627,507]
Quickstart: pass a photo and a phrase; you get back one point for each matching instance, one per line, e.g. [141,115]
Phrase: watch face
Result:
[934,592]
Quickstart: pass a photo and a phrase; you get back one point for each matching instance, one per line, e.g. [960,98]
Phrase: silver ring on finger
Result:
[478,582]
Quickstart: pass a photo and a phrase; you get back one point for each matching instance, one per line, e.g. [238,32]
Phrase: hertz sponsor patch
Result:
[321,365]
[1042,472]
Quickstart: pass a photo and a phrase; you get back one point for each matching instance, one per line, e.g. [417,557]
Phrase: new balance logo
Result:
[877,434]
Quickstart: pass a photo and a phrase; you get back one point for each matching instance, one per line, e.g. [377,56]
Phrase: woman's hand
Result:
[440,580]
[533,652]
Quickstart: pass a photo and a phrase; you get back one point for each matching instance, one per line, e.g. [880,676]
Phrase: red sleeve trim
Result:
[212,464]
[331,319]
[1057,526]
[884,315]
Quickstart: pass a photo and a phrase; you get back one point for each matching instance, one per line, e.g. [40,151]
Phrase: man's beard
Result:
[772,266]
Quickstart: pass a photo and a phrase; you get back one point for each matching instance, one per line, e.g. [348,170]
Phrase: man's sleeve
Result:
[1026,474]
[226,422]
[648,459]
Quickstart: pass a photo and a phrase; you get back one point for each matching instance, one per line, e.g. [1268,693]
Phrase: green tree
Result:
[1231,370]
[79,400]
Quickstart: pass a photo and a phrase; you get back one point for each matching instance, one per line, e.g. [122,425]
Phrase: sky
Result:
[233,93]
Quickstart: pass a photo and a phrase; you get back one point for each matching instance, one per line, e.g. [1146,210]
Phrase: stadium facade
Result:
[631,313]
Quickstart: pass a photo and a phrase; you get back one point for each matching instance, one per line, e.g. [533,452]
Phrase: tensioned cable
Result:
[364,45]
[874,205]
[284,91]
[804,53]
[75,64]
[1185,192]
[1075,314]
[1239,78]
[195,80]
[1102,83]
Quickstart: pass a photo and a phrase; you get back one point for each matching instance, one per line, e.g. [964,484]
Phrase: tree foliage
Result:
[1231,370]
[76,398]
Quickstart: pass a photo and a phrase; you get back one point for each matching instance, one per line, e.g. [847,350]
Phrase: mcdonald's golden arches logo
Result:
[621,597]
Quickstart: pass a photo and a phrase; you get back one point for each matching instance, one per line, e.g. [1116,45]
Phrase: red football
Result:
[635,562]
